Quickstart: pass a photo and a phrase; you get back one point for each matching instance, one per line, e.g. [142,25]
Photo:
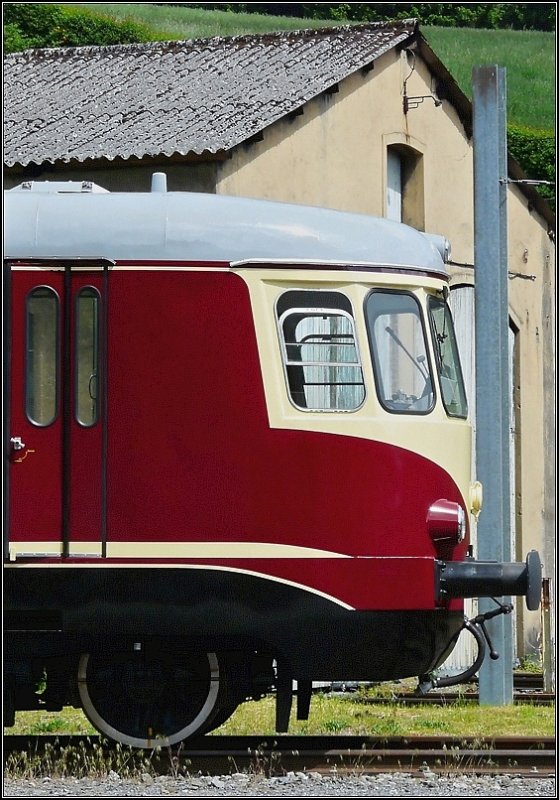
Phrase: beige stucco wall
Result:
[334,154]
[531,289]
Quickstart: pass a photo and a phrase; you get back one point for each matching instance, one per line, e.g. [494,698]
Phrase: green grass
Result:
[195,23]
[84,760]
[329,715]
[528,56]
[340,715]
[332,714]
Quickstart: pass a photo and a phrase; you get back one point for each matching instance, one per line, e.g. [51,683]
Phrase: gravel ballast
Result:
[290,785]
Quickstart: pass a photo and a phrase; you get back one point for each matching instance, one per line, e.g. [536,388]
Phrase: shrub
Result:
[518,16]
[14,40]
[49,25]
[535,152]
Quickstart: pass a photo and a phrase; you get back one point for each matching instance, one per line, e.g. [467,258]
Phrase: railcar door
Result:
[57,407]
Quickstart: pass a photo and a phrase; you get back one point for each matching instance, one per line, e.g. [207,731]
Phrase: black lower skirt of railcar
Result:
[55,612]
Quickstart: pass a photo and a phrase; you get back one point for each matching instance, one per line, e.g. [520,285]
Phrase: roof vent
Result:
[60,187]
[159,182]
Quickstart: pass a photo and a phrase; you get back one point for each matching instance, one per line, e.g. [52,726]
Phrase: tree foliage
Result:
[518,16]
[535,151]
[30,25]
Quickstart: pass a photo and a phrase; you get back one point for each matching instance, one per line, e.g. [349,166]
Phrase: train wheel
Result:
[149,700]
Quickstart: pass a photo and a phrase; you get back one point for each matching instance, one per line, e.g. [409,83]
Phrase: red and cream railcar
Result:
[239,455]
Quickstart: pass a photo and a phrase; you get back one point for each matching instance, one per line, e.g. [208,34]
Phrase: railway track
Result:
[528,688]
[341,755]
[528,680]
[446,698]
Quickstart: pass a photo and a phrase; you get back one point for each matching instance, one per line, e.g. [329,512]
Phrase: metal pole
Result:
[492,363]
[547,638]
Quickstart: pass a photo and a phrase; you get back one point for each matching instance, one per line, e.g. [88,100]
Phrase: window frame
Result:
[411,180]
[95,294]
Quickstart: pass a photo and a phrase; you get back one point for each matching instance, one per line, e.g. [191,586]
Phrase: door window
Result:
[447,358]
[41,347]
[87,356]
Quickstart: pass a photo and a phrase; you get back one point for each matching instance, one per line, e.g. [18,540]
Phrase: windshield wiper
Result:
[415,362]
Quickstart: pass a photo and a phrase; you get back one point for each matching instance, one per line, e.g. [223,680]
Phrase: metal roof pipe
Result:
[159,182]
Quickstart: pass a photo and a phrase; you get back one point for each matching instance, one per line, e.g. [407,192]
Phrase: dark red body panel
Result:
[191,453]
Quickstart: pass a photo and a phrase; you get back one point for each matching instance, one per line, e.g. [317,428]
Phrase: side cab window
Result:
[448,359]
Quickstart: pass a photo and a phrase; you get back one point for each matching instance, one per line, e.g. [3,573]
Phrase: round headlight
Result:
[446,520]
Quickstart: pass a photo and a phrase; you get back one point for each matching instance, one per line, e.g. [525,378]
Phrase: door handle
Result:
[17,446]
[92,385]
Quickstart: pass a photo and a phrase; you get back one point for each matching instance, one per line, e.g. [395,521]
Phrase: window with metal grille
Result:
[320,351]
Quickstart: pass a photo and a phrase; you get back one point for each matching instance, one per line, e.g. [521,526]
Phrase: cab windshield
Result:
[400,354]
[447,359]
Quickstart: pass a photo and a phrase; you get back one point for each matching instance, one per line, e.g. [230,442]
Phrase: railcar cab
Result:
[369,354]
[372,354]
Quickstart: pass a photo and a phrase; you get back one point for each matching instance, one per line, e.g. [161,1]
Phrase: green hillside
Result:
[529,60]
[169,22]
[528,56]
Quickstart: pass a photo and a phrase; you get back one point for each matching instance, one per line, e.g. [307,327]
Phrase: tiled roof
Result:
[174,98]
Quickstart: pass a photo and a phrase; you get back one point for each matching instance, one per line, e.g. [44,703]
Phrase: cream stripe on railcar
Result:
[157,548]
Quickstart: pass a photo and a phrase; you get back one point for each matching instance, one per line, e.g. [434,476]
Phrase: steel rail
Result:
[342,755]
[448,698]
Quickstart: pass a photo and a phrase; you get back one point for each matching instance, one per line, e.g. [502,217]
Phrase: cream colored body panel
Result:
[443,440]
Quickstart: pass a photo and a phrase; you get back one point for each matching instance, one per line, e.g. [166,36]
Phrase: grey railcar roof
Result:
[181,226]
